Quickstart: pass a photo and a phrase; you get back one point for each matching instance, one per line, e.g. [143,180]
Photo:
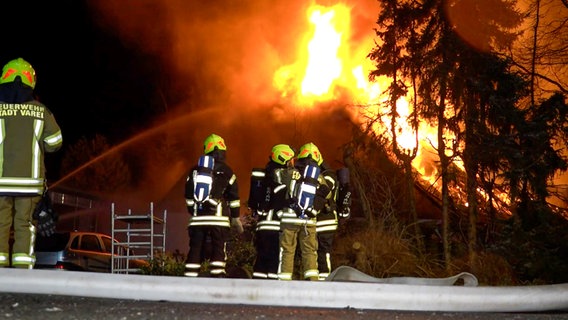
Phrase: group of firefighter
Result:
[296,200]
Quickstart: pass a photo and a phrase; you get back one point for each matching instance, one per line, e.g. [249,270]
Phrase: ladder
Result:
[141,236]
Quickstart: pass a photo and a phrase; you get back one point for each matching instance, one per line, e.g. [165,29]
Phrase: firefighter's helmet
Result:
[310,150]
[281,154]
[19,67]
[213,142]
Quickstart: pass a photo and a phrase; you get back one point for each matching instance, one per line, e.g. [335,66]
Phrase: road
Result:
[52,307]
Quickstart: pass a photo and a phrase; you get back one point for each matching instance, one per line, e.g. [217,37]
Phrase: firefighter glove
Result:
[45,216]
[237,224]
[45,224]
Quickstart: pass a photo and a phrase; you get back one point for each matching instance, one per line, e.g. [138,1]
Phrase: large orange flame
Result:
[324,66]
[329,62]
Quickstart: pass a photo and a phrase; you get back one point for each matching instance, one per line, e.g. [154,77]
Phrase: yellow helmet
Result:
[310,150]
[213,142]
[19,67]
[281,154]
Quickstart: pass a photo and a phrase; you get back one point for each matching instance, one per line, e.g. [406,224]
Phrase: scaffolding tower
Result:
[141,236]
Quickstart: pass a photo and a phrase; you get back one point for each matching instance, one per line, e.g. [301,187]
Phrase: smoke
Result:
[229,46]
[228,52]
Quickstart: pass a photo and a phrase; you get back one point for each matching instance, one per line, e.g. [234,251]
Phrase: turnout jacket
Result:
[277,183]
[327,219]
[223,202]
[323,190]
[27,130]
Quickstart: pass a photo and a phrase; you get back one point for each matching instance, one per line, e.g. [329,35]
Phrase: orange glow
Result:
[330,62]
[327,62]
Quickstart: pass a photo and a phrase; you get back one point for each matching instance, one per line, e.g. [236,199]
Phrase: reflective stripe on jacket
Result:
[223,204]
[27,130]
[268,221]
[289,216]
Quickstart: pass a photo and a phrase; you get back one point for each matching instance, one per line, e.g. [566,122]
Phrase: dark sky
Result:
[94,81]
[86,75]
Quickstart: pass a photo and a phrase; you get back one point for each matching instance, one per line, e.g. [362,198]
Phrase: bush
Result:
[240,257]
[166,264]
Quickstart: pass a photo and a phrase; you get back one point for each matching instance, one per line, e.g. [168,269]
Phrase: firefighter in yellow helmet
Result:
[333,187]
[28,131]
[298,225]
[272,198]
[212,200]
[310,151]
[336,208]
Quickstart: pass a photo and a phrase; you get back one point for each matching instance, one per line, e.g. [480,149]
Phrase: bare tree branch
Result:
[559,85]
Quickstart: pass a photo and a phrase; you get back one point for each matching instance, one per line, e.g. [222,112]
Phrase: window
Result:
[75,243]
[107,242]
[90,243]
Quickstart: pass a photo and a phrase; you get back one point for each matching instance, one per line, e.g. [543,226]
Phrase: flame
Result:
[327,62]
[331,62]
[324,66]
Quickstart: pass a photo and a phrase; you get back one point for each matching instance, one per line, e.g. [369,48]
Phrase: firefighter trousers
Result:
[17,211]
[267,254]
[325,246]
[305,236]
[197,244]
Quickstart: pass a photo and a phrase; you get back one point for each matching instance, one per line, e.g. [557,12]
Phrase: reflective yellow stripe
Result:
[235,204]
[311,273]
[54,139]
[36,151]
[22,259]
[285,276]
[4,259]
[258,174]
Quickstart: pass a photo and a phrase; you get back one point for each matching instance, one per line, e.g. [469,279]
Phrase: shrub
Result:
[166,264]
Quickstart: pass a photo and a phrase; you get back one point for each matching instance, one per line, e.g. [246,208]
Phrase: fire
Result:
[331,62]
[324,66]
[328,61]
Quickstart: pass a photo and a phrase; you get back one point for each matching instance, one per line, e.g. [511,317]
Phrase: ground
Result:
[51,307]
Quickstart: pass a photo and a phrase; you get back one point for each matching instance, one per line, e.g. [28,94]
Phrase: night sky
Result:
[87,75]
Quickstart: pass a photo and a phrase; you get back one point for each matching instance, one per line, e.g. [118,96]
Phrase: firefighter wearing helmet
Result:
[212,200]
[273,200]
[336,208]
[298,225]
[28,131]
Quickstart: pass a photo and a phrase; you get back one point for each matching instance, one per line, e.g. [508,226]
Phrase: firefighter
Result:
[337,206]
[298,226]
[29,129]
[274,196]
[212,200]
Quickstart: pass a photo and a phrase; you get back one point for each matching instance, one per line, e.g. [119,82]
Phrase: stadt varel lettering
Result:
[26,110]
